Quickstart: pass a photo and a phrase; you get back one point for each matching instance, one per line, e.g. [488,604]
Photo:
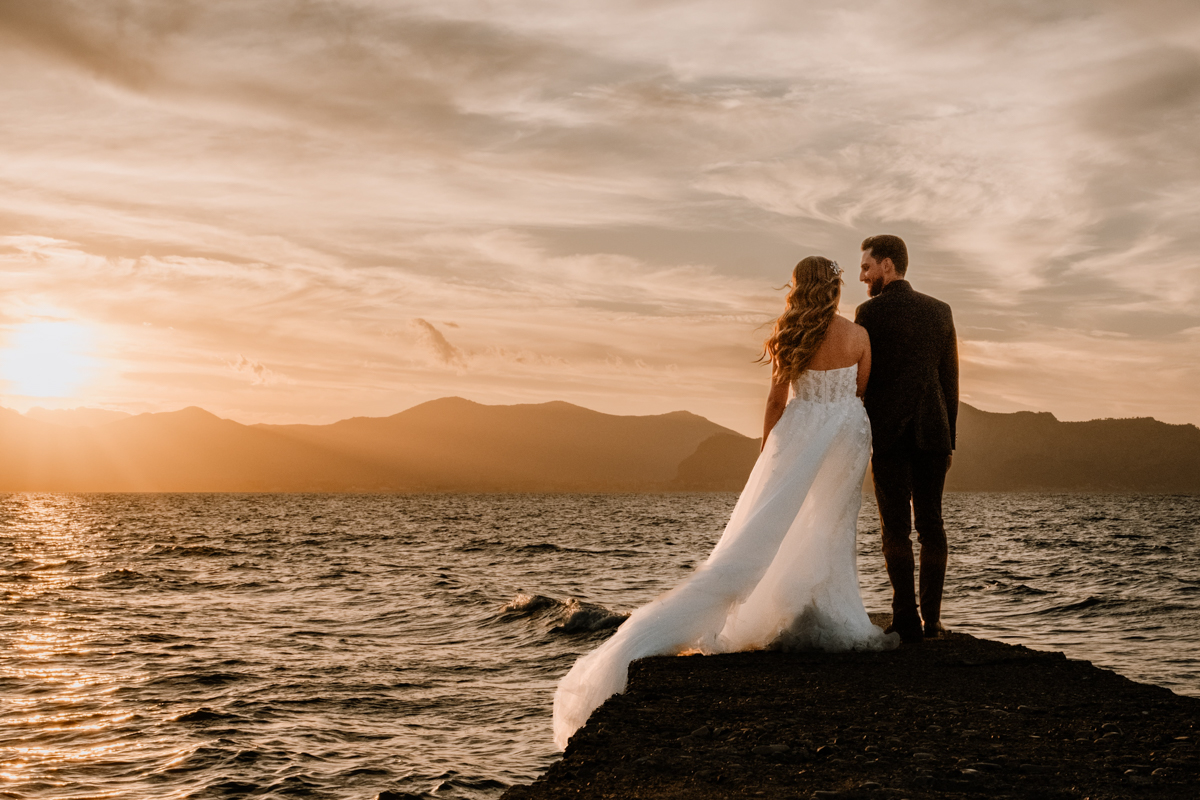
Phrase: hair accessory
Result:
[833,266]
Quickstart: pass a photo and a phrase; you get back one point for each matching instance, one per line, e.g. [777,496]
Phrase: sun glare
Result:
[46,359]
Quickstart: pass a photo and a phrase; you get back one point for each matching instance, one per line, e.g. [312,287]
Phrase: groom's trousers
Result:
[908,487]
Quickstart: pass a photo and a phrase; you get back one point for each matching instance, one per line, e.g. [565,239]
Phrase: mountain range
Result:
[455,445]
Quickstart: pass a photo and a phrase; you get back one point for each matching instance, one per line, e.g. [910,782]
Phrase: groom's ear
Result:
[886,264]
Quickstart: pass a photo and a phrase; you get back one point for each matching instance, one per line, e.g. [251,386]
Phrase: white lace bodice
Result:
[826,386]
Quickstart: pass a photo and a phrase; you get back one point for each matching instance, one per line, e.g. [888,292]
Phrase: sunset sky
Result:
[292,211]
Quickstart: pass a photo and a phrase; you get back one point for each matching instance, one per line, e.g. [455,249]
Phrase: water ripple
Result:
[339,646]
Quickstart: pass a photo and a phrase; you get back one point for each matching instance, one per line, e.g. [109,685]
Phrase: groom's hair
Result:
[887,246]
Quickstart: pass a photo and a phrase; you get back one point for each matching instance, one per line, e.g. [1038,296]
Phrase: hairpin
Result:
[833,266]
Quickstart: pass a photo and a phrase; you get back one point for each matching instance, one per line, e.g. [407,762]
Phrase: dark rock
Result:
[836,700]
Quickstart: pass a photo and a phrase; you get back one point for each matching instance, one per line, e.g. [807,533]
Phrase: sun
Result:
[46,359]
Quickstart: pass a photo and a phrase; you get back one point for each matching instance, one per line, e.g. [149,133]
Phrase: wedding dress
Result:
[782,576]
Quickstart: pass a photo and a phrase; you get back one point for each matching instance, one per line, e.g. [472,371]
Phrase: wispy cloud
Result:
[259,373]
[435,342]
[587,187]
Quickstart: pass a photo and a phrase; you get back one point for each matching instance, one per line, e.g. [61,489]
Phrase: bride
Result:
[783,575]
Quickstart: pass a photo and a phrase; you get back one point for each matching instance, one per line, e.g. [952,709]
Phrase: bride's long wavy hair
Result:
[812,302]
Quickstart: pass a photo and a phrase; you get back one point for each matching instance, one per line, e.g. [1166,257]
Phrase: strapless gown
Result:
[783,574]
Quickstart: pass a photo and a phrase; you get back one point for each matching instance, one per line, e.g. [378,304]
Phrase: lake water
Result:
[339,646]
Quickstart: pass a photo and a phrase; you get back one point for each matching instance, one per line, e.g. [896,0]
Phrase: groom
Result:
[912,401]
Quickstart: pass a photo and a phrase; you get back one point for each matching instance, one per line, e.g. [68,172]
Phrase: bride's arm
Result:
[776,402]
[864,360]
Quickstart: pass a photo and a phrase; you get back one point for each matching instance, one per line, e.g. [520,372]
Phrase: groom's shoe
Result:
[909,634]
[935,630]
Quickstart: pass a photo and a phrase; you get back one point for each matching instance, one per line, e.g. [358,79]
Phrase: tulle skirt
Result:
[783,575]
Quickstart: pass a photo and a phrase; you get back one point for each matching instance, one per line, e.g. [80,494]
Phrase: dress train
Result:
[784,573]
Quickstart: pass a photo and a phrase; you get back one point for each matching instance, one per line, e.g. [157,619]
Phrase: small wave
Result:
[191,679]
[373,772]
[190,551]
[550,547]
[206,715]
[1089,603]
[122,576]
[235,788]
[452,779]
[543,546]
[526,604]
[587,617]
[569,616]
[480,545]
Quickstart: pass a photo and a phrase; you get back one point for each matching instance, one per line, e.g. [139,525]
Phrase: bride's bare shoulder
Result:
[855,335]
[847,329]
[842,324]
[859,331]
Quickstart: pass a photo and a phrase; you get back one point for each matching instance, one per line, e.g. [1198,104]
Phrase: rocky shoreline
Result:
[952,717]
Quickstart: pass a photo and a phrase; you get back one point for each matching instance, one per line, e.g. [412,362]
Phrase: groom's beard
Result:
[875,287]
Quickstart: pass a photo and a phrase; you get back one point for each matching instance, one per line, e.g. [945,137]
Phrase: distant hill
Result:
[1029,451]
[457,445]
[444,445]
[75,417]
[454,445]
[1024,451]
[720,464]
[181,451]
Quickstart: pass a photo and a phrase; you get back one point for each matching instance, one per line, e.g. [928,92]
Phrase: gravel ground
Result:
[952,717]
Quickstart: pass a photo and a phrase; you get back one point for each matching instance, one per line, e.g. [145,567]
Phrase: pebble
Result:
[971,772]
[922,756]
[770,749]
[701,733]
[986,766]
[871,785]
[1036,768]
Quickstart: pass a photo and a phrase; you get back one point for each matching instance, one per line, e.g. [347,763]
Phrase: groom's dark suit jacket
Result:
[912,394]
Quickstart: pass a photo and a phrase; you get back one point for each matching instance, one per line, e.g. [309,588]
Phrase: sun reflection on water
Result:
[59,679]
